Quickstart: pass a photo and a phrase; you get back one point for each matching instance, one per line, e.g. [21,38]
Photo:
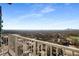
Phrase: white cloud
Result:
[16,21]
[47,9]
[25,16]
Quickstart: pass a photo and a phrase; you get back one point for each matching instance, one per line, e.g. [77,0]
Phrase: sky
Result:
[40,16]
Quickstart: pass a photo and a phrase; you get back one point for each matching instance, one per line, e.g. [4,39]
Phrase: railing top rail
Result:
[48,43]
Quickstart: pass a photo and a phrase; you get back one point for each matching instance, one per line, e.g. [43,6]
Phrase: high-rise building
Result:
[1,25]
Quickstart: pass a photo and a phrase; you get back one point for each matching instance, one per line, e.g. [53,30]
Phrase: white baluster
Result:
[50,50]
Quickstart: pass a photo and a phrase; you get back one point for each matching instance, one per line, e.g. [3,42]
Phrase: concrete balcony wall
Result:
[33,47]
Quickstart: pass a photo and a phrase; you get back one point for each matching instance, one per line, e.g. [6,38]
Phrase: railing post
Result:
[9,43]
[50,50]
[34,48]
[73,53]
[64,53]
[24,47]
[56,51]
[41,50]
[46,50]
[16,52]
[41,47]
[38,48]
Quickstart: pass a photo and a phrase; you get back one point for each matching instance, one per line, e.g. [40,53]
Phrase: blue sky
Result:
[40,16]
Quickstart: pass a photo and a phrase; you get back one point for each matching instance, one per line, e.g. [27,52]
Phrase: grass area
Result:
[75,38]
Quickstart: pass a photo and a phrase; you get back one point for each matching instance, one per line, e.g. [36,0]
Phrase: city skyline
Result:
[40,16]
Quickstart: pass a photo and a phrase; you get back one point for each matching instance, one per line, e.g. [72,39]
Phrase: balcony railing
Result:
[19,45]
